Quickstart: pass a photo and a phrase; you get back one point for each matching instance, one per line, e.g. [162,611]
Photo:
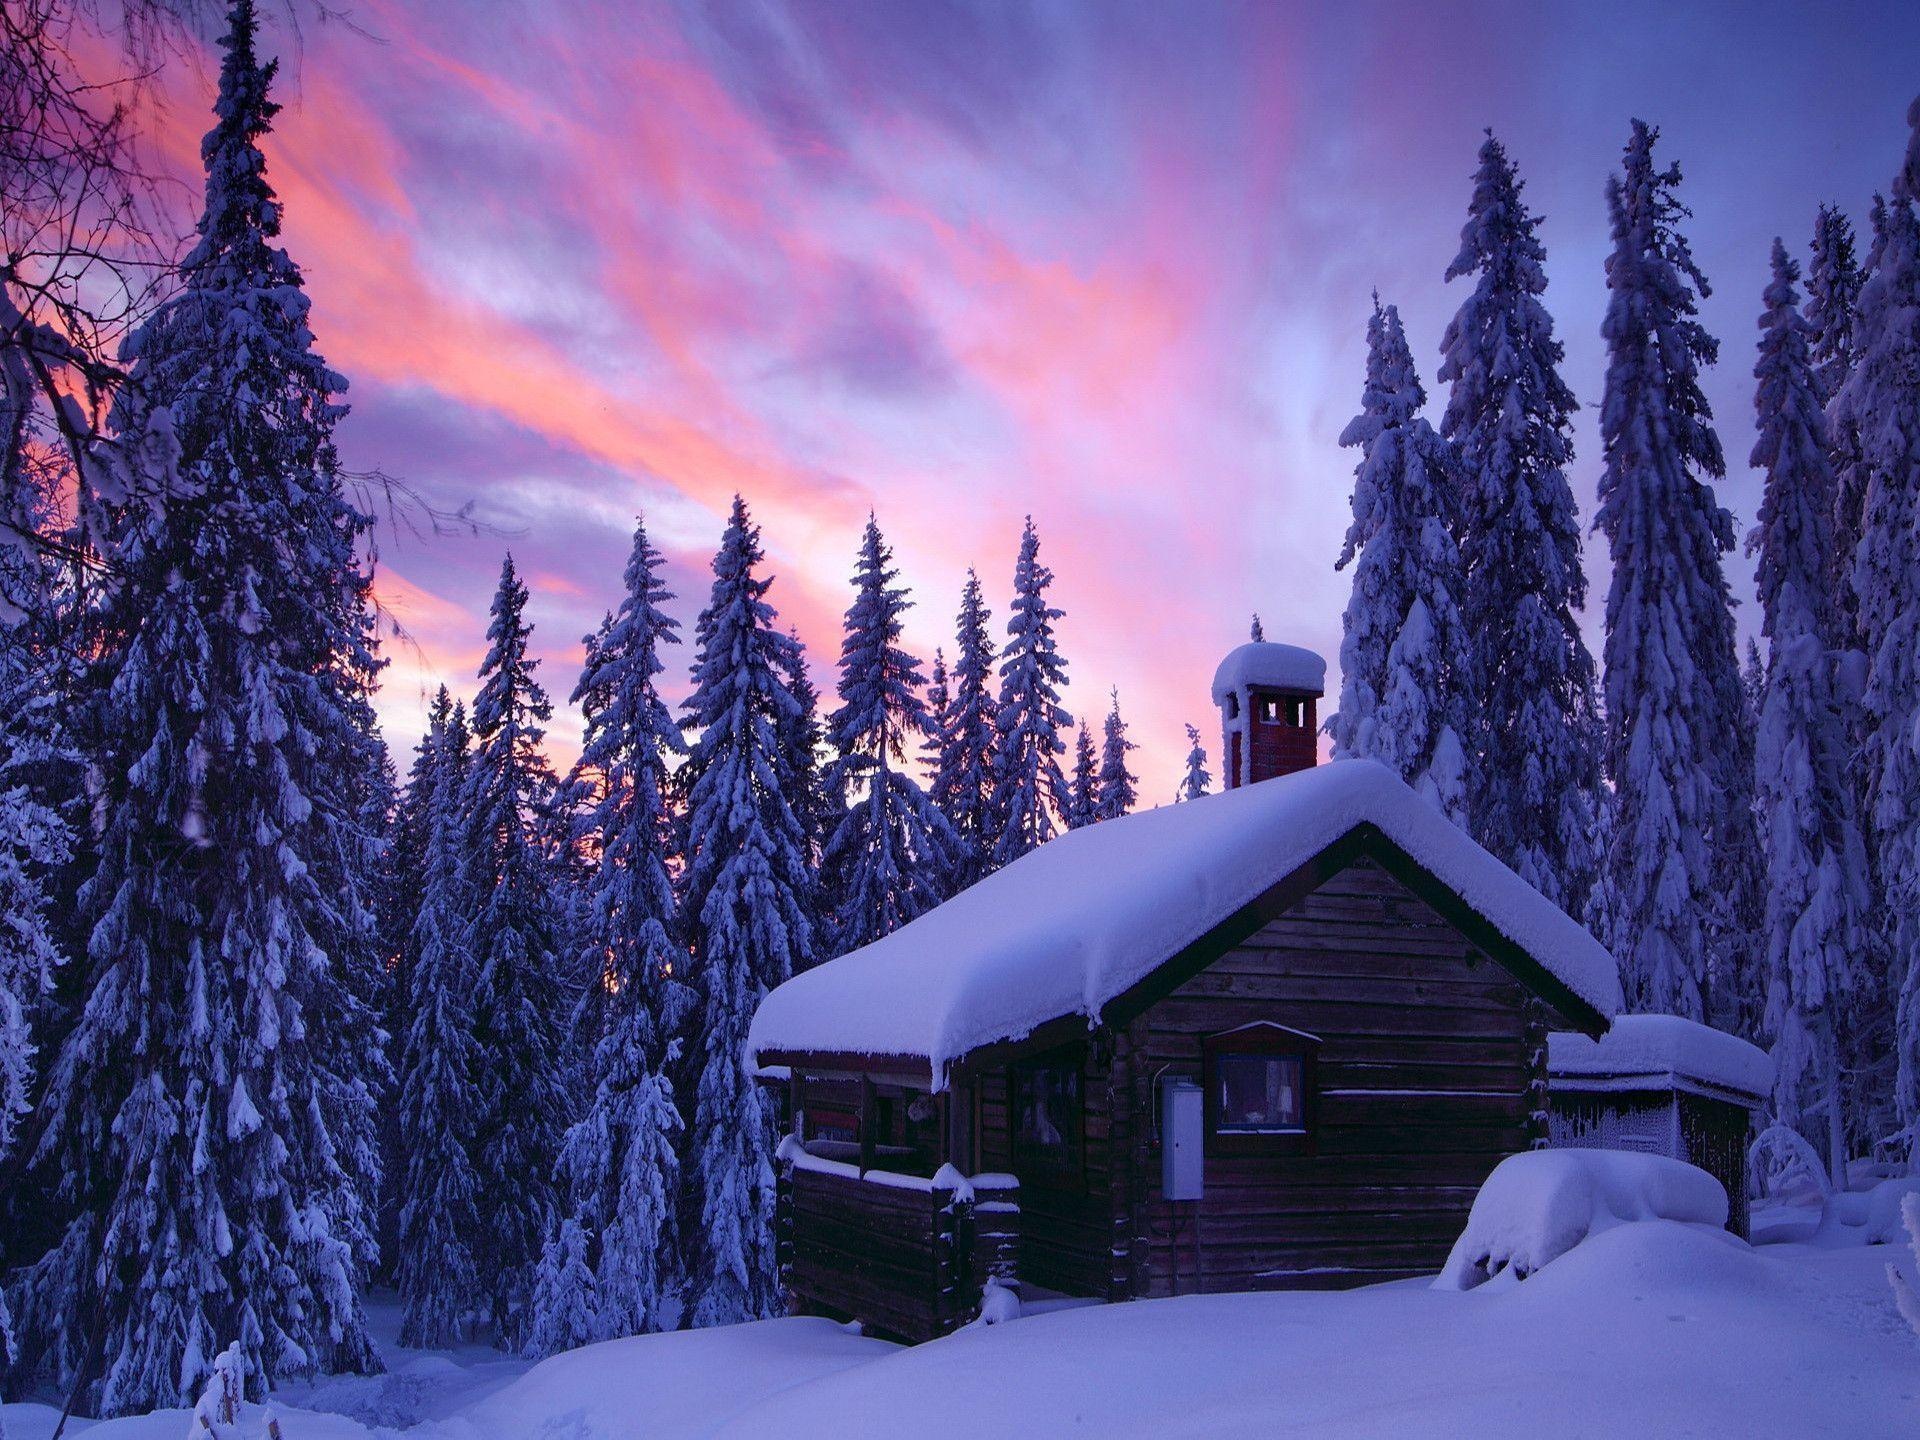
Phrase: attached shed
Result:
[1273,1037]
[1666,1086]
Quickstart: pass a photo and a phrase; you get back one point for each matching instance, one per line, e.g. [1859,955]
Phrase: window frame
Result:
[1266,1039]
[1062,1172]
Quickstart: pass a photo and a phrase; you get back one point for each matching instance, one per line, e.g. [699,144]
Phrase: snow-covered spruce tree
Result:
[1753,681]
[891,847]
[745,881]
[1816,892]
[35,839]
[1536,771]
[521,1105]
[1119,787]
[1833,294]
[34,842]
[1672,683]
[963,779]
[1198,780]
[566,1304]
[611,1267]
[192,1102]
[437,1219]
[810,784]
[1257,632]
[1083,784]
[932,745]
[405,866]
[356,1075]
[1406,661]
[1028,788]
[1879,405]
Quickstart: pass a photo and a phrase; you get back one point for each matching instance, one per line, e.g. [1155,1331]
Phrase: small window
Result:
[1281,710]
[1259,1083]
[1045,1118]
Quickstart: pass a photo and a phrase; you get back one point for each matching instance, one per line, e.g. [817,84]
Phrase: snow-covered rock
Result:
[1537,1206]
[1072,925]
[1660,1051]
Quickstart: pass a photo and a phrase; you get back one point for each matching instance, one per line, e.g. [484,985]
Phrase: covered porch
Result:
[881,1213]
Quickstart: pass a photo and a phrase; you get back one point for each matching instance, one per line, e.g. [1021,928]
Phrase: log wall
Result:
[1429,1072]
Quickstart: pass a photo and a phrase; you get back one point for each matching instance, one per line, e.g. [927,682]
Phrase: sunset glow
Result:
[1108,265]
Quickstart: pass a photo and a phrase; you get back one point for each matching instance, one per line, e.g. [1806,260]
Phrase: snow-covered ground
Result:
[1648,1329]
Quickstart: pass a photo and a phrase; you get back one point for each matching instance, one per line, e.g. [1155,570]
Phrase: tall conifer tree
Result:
[1879,405]
[517,942]
[744,891]
[437,1218]
[1816,883]
[1119,786]
[609,1270]
[1198,780]
[1537,737]
[963,779]
[1405,659]
[1028,788]
[195,1100]
[1083,784]
[1833,295]
[891,847]
[1672,681]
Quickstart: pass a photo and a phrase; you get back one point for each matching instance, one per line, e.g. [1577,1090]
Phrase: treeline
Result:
[1747,840]
[274,1025]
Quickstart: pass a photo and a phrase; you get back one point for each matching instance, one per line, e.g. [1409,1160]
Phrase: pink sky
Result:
[1105,263]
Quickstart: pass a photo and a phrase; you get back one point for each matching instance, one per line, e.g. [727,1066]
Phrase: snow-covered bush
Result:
[1887,1202]
[1903,1293]
[1538,1205]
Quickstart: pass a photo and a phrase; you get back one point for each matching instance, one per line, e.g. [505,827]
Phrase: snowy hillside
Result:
[1652,1329]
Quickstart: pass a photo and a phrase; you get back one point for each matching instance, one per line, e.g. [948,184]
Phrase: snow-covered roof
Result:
[1663,1051]
[1077,922]
[1262,662]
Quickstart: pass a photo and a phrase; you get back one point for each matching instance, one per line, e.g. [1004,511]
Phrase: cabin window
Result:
[1045,1119]
[1281,710]
[1259,1083]
[1261,1094]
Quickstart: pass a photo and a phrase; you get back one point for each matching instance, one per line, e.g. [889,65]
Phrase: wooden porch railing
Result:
[907,1256]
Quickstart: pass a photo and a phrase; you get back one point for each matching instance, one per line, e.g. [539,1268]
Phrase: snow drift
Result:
[1537,1206]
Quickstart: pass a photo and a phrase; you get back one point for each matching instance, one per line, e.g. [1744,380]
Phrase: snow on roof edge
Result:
[1072,925]
[1656,1045]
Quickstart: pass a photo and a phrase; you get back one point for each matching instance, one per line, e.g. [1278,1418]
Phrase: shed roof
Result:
[1644,1052]
[1080,921]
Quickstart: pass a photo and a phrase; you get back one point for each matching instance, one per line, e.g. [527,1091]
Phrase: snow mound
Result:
[1886,1221]
[1662,1050]
[1068,927]
[1537,1206]
[677,1383]
[1263,663]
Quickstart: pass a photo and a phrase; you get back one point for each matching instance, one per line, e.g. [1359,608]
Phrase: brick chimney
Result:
[1268,696]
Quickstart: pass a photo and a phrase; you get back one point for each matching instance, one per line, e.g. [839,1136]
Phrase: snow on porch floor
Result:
[1652,1329]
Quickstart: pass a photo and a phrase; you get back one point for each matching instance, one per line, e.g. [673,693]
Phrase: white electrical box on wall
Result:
[1182,1142]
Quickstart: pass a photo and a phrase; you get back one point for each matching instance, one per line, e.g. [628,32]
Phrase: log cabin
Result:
[1276,1036]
